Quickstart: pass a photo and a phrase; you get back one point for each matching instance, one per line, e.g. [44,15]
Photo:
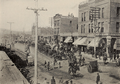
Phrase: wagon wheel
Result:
[90,68]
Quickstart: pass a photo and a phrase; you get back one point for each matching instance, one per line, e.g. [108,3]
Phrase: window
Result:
[77,26]
[84,16]
[118,11]
[81,28]
[117,26]
[102,12]
[58,23]
[57,30]
[89,28]
[98,26]
[90,15]
[102,27]
[84,29]
[92,28]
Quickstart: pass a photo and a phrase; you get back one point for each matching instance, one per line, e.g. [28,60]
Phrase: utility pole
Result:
[36,38]
[10,33]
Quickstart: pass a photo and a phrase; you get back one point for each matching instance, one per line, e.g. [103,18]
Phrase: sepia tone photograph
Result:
[59,41]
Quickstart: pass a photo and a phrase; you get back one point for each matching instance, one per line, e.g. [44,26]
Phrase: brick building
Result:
[104,32]
[65,26]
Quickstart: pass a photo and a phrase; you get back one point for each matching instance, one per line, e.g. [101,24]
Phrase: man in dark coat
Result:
[97,78]
[53,80]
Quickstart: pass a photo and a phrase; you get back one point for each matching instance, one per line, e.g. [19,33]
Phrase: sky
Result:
[15,11]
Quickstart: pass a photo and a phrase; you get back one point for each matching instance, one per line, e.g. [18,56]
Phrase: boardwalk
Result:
[9,74]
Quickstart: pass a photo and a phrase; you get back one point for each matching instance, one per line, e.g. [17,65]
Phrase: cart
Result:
[92,66]
[30,61]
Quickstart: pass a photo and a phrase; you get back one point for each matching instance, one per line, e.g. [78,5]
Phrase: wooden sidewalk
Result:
[9,74]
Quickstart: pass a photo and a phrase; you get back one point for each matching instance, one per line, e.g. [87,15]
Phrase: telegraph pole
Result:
[36,38]
[10,33]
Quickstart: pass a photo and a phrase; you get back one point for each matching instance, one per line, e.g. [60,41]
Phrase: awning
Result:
[94,42]
[82,41]
[76,42]
[68,40]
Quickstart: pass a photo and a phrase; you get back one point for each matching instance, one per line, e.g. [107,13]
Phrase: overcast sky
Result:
[15,11]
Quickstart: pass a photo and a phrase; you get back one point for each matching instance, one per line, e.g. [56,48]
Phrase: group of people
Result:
[61,81]
[48,64]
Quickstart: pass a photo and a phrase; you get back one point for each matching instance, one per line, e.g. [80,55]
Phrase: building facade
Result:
[105,29]
[65,26]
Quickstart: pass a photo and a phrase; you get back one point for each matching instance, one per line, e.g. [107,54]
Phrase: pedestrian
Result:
[48,66]
[45,64]
[97,78]
[53,80]
[104,59]
[45,81]
[117,56]
[61,81]
[59,64]
[114,55]
[66,82]
[83,60]
[55,61]
[80,61]
[71,82]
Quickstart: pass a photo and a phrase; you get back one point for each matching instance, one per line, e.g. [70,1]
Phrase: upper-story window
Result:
[58,23]
[89,28]
[92,28]
[103,12]
[77,26]
[102,27]
[55,23]
[57,30]
[98,25]
[117,26]
[118,11]
[81,28]
[84,29]
[84,16]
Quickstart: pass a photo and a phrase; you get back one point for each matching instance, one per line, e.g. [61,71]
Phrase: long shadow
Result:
[16,59]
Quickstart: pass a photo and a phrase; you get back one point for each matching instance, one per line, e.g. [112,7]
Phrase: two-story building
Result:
[102,33]
[65,27]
